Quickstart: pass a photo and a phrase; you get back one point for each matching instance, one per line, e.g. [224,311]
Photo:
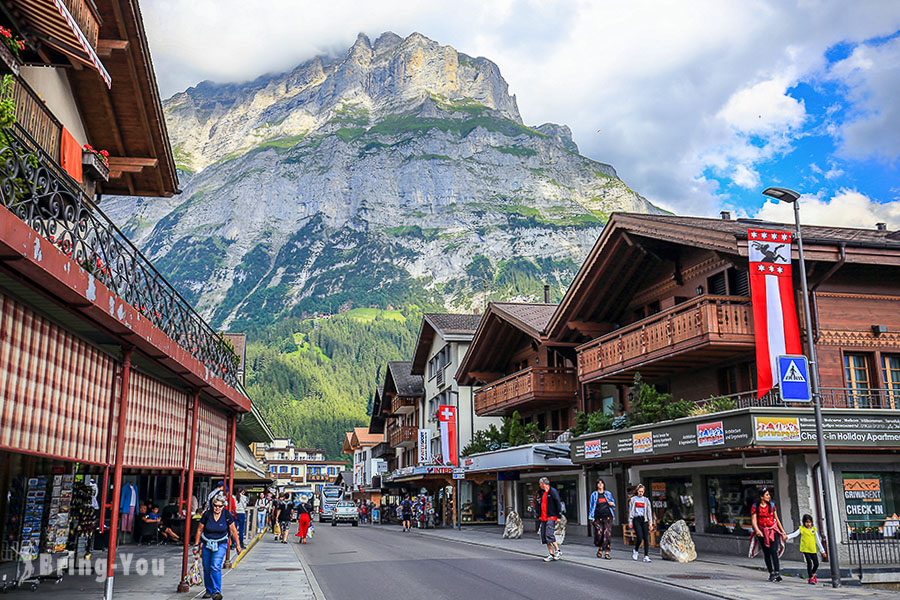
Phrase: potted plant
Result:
[10,48]
[96,161]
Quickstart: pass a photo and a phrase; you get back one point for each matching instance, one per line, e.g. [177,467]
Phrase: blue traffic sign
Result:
[793,377]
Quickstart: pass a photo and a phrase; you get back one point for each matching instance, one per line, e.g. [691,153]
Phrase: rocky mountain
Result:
[399,172]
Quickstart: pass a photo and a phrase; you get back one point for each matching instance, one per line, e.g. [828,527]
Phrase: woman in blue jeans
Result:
[215,525]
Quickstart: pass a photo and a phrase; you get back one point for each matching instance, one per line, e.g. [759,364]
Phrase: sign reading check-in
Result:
[740,429]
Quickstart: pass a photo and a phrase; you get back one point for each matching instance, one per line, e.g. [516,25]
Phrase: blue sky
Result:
[698,105]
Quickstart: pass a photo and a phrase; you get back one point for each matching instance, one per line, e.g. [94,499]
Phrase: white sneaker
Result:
[634,555]
[548,558]
[647,559]
[557,555]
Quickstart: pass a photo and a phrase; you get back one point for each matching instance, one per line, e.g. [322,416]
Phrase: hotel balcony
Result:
[403,436]
[529,388]
[402,405]
[706,329]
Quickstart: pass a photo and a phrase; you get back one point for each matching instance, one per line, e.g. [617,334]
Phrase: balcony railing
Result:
[528,386]
[861,398]
[402,404]
[402,434]
[703,320]
[35,189]
[86,17]
[36,119]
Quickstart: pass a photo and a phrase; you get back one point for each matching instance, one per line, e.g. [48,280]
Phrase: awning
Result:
[244,460]
[55,26]
[243,477]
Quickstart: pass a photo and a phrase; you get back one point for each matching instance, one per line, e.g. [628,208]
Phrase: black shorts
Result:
[407,516]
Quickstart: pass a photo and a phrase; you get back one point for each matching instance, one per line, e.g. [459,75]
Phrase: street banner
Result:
[447,417]
[772,293]
[424,446]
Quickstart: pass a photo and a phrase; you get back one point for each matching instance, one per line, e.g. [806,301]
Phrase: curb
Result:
[577,562]
[249,547]
[313,583]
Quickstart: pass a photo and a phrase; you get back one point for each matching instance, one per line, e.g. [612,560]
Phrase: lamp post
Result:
[792,197]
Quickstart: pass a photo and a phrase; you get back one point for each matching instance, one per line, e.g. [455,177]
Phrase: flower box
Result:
[94,165]
[9,61]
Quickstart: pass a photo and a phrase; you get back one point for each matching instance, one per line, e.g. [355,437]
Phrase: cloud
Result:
[872,76]
[847,208]
[680,92]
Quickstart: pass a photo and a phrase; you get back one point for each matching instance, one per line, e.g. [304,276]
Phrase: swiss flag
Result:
[447,417]
[772,292]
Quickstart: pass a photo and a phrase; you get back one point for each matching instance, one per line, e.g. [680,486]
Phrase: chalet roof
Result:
[376,421]
[402,381]
[126,119]
[628,239]
[505,325]
[450,326]
[347,446]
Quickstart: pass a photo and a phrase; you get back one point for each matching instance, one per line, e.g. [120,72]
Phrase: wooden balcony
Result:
[403,436]
[529,388]
[704,330]
[36,119]
[86,17]
[402,405]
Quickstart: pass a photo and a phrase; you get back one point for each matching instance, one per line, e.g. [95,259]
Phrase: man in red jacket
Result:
[551,509]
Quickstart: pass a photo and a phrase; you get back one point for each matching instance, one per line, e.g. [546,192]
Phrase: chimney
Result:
[881,226]
[546,294]
[726,215]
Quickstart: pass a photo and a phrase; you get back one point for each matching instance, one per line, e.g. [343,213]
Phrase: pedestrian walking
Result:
[303,520]
[406,509]
[213,530]
[551,509]
[640,519]
[601,513]
[284,517]
[219,489]
[240,513]
[769,533]
[810,547]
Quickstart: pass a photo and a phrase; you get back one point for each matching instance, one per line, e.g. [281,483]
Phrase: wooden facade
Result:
[401,406]
[668,297]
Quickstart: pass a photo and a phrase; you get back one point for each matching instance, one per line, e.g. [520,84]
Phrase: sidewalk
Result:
[734,578]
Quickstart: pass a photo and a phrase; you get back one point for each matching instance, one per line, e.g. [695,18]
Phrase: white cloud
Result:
[847,208]
[672,86]
[872,76]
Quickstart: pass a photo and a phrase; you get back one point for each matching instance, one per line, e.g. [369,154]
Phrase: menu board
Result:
[35,501]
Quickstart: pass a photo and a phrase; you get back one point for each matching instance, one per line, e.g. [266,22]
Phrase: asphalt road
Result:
[373,564]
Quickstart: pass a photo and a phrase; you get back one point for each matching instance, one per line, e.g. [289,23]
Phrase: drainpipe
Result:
[195,414]
[117,472]
[828,274]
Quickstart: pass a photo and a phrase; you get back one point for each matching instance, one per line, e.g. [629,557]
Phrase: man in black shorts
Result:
[406,510]
[283,514]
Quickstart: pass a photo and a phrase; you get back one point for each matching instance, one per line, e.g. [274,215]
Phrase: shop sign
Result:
[642,443]
[593,449]
[862,497]
[424,446]
[459,473]
[658,494]
[710,434]
[777,429]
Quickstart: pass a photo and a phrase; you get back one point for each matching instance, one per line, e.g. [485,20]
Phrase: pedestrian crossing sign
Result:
[793,376]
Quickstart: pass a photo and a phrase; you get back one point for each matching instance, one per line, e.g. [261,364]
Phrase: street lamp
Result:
[792,197]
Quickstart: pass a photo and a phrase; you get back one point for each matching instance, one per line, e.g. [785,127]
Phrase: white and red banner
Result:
[772,292]
[447,417]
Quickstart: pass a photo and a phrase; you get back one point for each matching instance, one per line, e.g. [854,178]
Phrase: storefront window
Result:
[871,503]
[730,500]
[568,495]
[479,502]
[673,500]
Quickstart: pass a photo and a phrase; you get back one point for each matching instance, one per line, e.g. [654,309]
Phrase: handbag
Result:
[195,573]
[277,529]
[311,531]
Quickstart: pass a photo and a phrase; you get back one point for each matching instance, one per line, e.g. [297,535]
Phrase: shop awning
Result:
[245,461]
[244,477]
[54,25]
[529,456]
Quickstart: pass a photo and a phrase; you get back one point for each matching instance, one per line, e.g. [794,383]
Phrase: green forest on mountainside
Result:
[313,380]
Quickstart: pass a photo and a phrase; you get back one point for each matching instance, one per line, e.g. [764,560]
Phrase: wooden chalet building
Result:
[401,405]
[515,368]
[669,297]
[107,375]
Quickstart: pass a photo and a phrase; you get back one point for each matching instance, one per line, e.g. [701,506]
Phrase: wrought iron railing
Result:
[831,398]
[35,189]
[873,542]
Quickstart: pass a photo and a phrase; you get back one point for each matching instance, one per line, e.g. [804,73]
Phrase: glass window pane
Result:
[730,499]
[672,499]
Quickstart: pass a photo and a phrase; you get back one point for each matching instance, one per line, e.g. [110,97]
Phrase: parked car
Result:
[345,512]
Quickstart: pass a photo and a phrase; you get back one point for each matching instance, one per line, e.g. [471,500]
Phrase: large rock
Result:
[676,543]
[514,526]
[560,530]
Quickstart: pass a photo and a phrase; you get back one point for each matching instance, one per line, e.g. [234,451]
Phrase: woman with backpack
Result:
[769,533]
[601,514]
